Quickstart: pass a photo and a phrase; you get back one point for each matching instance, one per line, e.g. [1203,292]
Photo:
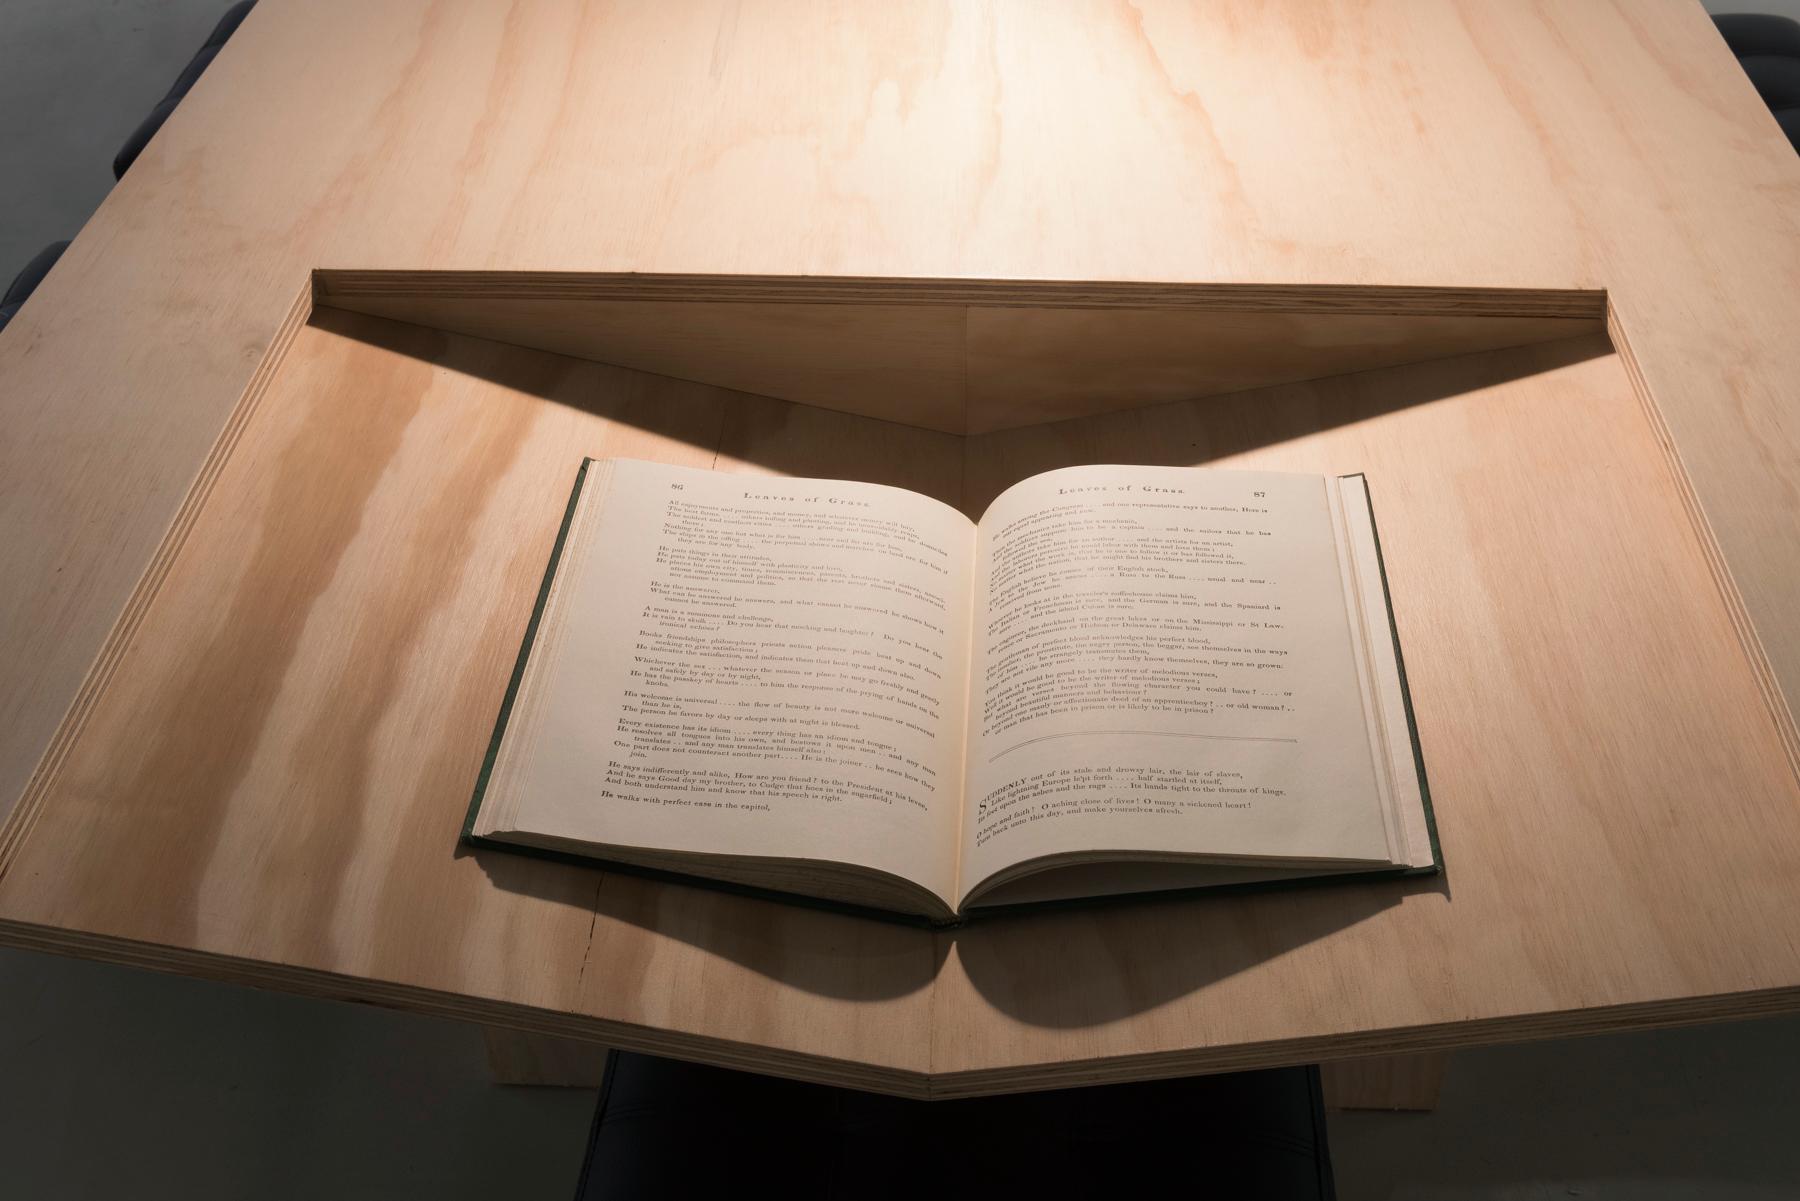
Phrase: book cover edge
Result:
[783,897]
[518,671]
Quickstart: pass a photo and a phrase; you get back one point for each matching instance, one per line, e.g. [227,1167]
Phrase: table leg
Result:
[1385,1082]
[515,1057]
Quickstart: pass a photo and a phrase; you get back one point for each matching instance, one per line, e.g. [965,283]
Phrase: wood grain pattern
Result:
[1576,681]
[1594,147]
[922,353]
[17,820]
[297,721]
[1297,146]
[269,787]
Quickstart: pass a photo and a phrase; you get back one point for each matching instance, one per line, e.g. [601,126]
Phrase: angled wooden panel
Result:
[1578,148]
[967,356]
[1588,146]
[1593,734]
[270,786]
[895,363]
[1027,366]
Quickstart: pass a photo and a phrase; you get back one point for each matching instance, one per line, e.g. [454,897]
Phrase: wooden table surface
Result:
[263,568]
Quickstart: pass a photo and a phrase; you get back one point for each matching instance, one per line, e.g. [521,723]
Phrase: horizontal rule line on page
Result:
[1152,733]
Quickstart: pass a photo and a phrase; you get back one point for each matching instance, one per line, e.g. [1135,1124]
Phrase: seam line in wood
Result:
[1764,672]
[137,605]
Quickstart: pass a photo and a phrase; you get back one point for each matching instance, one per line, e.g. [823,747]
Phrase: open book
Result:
[1121,680]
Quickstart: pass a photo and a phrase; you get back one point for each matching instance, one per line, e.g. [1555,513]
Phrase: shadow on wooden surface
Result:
[823,952]
[270,782]
[1217,428]
[968,356]
[1151,952]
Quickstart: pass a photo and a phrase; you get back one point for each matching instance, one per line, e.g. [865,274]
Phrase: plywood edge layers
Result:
[1323,1048]
[902,1082]
[330,986]
[17,824]
[1780,711]
[339,287]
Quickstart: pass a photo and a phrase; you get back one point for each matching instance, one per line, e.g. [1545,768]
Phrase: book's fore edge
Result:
[518,671]
[1251,887]
[1412,725]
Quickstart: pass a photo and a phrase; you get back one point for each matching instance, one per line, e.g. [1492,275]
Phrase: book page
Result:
[755,666]
[1163,664]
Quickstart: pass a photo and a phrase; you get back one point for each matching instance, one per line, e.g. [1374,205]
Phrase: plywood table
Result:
[286,431]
